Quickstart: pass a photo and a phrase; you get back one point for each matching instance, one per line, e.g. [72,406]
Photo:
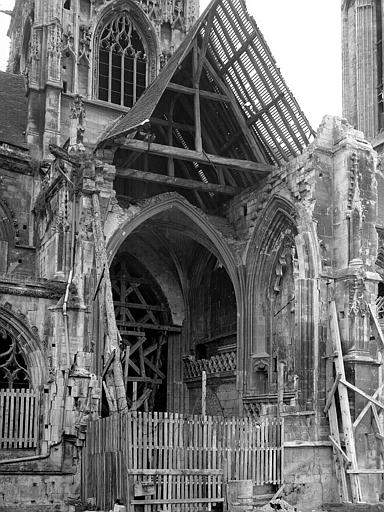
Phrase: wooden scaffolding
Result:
[338,408]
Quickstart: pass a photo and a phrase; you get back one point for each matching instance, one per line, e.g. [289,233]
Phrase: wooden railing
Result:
[173,459]
[18,418]
[219,363]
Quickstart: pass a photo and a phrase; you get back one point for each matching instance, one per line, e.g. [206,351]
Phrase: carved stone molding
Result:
[10,285]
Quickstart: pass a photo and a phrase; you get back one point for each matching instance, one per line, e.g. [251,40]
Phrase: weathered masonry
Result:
[190,277]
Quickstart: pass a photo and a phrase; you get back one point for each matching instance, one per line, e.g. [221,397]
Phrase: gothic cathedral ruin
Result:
[191,277]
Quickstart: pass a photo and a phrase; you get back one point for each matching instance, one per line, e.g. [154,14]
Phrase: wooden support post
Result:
[280,388]
[110,320]
[126,366]
[198,139]
[134,395]
[204,393]
[344,406]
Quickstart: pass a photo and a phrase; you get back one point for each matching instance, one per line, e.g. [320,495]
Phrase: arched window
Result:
[13,368]
[122,66]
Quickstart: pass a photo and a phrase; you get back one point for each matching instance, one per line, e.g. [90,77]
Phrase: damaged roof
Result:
[13,113]
[238,54]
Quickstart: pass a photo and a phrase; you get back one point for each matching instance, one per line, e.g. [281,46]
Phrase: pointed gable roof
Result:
[238,54]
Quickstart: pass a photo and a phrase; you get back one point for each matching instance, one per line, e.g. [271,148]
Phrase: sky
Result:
[304,37]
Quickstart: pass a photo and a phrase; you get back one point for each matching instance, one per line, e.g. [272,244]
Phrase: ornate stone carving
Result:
[68,42]
[12,285]
[35,47]
[77,123]
[353,179]
[85,44]
[54,48]
[358,302]
[54,39]
[261,361]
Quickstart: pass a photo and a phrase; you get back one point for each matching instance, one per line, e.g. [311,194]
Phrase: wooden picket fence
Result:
[18,418]
[177,462]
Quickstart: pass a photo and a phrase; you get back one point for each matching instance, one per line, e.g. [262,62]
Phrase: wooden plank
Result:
[190,91]
[108,363]
[339,466]
[377,420]
[196,98]
[6,420]
[362,393]
[339,449]
[33,415]
[365,471]
[203,393]
[367,406]
[376,327]
[195,156]
[331,393]
[2,418]
[344,405]
[170,328]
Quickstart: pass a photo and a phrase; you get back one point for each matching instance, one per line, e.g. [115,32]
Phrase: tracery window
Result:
[13,369]
[122,74]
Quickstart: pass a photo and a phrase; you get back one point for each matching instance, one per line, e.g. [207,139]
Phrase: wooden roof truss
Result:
[218,120]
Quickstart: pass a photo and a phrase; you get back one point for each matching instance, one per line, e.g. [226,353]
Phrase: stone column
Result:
[355,248]
[366,67]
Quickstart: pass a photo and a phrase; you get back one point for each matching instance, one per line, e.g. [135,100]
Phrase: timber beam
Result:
[195,156]
[123,326]
[164,179]
[192,91]
[173,124]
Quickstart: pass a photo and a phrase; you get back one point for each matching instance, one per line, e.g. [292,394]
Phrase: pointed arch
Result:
[142,31]
[29,344]
[278,215]
[280,295]
[184,218]
[209,236]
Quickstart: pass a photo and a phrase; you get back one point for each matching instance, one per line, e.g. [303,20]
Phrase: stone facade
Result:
[238,293]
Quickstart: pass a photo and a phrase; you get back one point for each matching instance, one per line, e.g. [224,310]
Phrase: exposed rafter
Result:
[194,156]
[204,94]
[177,182]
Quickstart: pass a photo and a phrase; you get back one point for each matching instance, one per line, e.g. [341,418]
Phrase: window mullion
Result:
[122,79]
[110,76]
[134,79]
